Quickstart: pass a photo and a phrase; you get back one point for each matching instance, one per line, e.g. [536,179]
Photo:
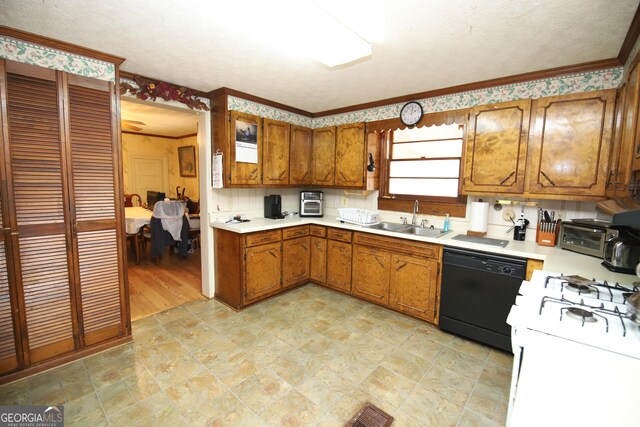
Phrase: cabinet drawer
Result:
[318,230]
[411,247]
[263,237]
[338,234]
[292,232]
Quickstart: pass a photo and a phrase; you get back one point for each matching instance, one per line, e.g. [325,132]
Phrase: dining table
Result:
[136,217]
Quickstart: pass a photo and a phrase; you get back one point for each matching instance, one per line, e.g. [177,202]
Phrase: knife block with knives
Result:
[547,228]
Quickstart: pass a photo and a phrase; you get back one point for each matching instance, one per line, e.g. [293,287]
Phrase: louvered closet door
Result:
[94,188]
[39,193]
[8,354]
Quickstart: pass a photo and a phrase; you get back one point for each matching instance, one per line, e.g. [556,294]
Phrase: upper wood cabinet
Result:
[275,152]
[619,163]
[323,155]
[300,154]
[350,156]
[570,145]
[242,172]
[496,148]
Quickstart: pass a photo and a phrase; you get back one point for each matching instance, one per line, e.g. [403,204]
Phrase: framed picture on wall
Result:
[187,161]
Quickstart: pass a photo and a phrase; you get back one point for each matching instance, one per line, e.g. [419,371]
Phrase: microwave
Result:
[586,236]
[311,203]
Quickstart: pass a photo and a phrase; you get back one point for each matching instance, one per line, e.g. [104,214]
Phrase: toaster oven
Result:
[586,237]
[311,203]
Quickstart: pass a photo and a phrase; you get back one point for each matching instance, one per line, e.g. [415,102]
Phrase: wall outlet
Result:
[345,202]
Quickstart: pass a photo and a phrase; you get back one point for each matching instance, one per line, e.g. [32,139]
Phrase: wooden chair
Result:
[128,200]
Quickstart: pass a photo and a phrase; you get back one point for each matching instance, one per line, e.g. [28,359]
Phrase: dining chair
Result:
[129,200]
[169,226]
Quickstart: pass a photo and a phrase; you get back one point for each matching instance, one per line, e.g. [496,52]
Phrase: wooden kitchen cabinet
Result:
[296,250]
[616,170]
[263,271]
[370,274]
[323,156]
[339,265]
[275,152]
[627,154]
[414,286]
[318,261]
[300,155]
[241,173]
[496,148]
[570,144]
[350,156]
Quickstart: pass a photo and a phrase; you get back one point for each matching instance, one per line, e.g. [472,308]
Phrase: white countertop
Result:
[555,259]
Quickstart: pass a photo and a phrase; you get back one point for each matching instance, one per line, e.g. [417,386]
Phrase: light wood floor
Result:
[156,288]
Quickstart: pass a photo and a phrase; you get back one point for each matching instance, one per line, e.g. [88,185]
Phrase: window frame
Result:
[434,205]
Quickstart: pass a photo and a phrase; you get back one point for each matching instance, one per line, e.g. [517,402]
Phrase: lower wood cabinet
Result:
[339,265]
[318,261]
[371,268]
[295,261]
[263,270]
[414,286]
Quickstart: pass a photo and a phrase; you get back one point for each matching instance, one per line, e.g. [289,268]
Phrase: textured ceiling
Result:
[158,119]
[418,45]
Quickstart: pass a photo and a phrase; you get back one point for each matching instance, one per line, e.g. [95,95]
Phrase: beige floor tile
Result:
[170,315]
[115,398]
[473,419]
[407,364]
[296,336]
[112,372]
[435,333]
[201,399]
[239,416]
[462,363]
[325,388]
[274,385]
[330,420]
[421,344]
[387,386]
[391,333]
[86,411]
[294,367]
[269,349]
[322,349]
[469,347]
[341,334]
[76,385]
[428,407]
[371,347]
[500,416]
[496,376]
[500,358]
[293,409]
[449,384]
[175,371]
[47,393]
[218,351]
[484,399]
[155,410]
[237,369]
[253,396]
[142,325]
[15,393]
[352,365]
[172,349]
[152,336]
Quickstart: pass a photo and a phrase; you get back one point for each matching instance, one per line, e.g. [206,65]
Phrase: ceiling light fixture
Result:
[331,42]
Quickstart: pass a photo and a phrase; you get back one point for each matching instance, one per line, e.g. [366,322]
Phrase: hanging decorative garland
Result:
[152,90]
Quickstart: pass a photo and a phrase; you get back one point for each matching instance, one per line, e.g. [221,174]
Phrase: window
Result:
[423,164]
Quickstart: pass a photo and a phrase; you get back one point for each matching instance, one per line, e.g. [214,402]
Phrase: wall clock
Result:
[411,113]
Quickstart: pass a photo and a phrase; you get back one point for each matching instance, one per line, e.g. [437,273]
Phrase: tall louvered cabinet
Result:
[61,212]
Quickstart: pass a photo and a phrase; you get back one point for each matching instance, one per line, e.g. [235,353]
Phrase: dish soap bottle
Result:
[445,226]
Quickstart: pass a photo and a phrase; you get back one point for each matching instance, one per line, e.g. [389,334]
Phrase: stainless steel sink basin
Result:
[408,229]
[390,226]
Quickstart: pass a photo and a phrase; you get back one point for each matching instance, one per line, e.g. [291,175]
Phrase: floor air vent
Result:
[370,416]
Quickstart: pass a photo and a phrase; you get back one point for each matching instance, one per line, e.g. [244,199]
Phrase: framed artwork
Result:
[187,161]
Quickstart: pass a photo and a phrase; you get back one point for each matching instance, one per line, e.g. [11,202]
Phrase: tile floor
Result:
[311,357]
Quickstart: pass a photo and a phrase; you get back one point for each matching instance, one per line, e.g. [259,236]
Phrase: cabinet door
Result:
[496,150]
[93,169]
[339,265]
[275,152]
[40,213]
[630,133]
[324,145]
[263,271]
[570,144]
[371,269]
[414,285]
[245,142]
[319,259]
[615,170]
[350,155]
[300,156]
[295,261]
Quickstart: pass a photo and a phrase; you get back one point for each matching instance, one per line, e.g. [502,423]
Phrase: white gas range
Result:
[576,354]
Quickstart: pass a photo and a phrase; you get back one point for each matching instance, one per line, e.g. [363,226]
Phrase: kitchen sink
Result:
[408,229]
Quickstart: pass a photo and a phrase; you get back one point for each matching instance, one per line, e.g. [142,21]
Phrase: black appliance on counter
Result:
[477,292]
[273,206]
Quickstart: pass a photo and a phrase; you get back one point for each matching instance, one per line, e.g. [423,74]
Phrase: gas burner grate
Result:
[580,307]
[583,286]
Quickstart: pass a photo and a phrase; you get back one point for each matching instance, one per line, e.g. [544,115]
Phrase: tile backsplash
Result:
[250,203]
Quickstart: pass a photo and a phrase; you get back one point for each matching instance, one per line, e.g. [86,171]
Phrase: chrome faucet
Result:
[415,211]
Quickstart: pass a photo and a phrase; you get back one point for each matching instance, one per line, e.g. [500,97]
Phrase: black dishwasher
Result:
[477,292]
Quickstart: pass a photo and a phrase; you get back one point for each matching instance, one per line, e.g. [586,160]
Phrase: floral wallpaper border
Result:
[133,83]
[33,54]
[609,78]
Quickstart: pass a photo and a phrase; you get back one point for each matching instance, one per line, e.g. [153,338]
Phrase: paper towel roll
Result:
[479,217]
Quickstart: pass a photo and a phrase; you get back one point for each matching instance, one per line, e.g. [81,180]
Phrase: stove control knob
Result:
[506,270]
